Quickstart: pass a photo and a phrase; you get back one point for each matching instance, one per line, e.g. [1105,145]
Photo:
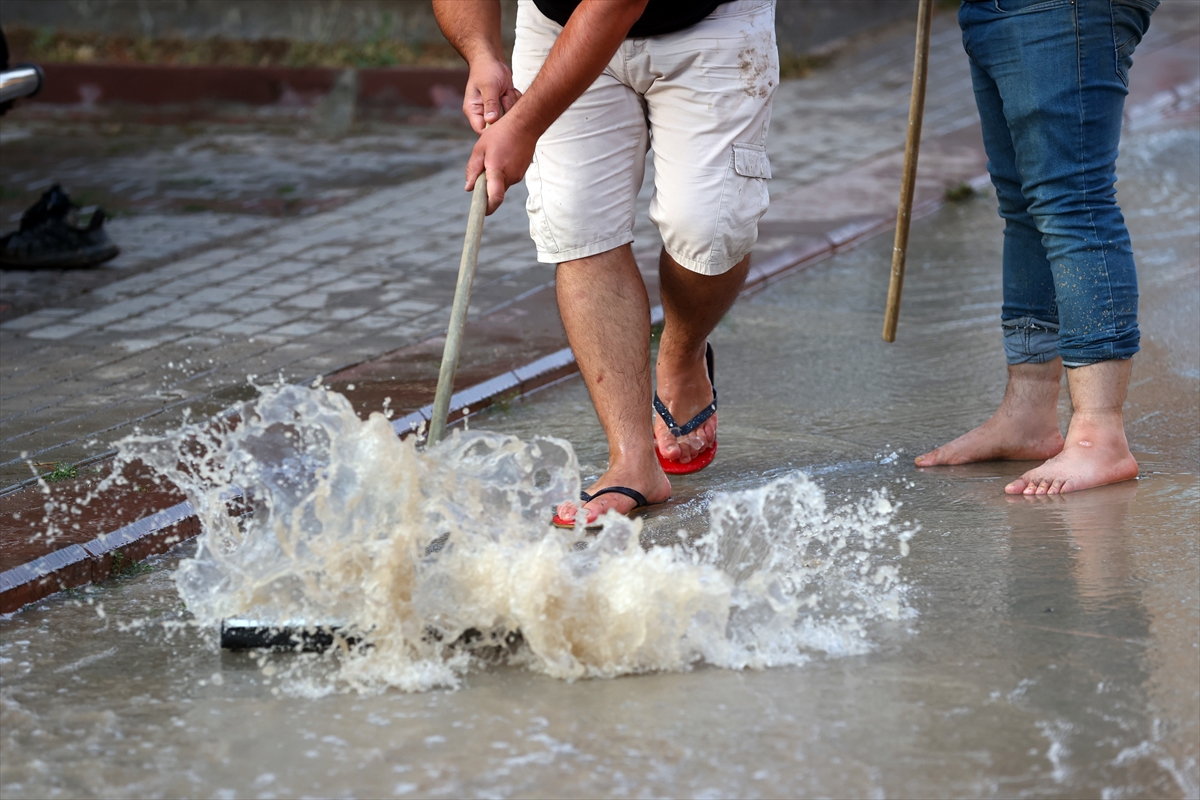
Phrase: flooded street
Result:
[1029,646]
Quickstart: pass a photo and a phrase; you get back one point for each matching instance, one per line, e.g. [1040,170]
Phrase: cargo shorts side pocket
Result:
[744,201]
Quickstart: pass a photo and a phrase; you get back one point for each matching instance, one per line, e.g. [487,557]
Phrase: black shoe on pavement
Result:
[49,238]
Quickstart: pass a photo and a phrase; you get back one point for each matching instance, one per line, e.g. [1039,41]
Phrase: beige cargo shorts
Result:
[701,98]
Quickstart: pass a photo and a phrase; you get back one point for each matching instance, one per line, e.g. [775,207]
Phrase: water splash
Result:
[440,561]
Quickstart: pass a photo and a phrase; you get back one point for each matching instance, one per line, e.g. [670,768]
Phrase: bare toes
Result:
[666,443]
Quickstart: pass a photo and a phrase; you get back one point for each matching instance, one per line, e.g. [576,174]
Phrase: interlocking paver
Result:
[309,300]
[374,322]
[271,316]
[151,320]
[280,289]
[39,318]
[299,329]
[151,342]
[59,331]
[246,303]
[206,321]
[348,313]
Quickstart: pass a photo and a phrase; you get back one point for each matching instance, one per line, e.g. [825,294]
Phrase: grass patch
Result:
[801,65]
[503,403]
[383,48]
[287,188]
[185,183]
[123,565]
[61,472]
[959,193]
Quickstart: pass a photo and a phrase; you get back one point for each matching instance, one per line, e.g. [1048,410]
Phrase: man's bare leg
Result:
[604,308]
[1024,428]
[693,304]
[1096,452]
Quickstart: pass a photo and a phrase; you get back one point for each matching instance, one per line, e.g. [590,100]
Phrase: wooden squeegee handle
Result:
[458,312]
[916,113]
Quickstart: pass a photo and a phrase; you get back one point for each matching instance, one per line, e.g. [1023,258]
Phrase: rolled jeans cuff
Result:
[1117,348]
[1029,340]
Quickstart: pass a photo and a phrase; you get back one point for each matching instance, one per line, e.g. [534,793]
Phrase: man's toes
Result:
[1017,487]
[691,446]
[1057,486]
[593,513]
[668,446]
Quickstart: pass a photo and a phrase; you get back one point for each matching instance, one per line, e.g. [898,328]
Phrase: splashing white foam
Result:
[338,517]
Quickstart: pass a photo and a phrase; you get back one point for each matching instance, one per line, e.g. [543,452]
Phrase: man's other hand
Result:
[490,93]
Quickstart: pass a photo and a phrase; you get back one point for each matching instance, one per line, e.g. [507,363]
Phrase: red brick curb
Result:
[96,560]
[151,85]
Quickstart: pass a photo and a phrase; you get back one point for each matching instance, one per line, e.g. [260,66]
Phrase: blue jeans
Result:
[1050,79]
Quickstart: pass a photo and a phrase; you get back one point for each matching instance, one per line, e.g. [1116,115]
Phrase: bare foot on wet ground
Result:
[1096,454]
[1024,428]
[1001,438]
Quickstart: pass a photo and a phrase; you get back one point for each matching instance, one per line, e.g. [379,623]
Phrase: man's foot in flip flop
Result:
[687,391]
[615,501]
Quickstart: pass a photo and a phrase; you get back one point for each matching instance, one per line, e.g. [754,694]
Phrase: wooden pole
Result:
[458,312]
[916,113]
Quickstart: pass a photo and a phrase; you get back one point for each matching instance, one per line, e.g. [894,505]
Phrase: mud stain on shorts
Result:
[759,67]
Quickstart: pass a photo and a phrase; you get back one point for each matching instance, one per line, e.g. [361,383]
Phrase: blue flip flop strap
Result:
[692,424]
[699,419]
[632,494]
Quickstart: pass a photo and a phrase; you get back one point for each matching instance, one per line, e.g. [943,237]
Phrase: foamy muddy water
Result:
[434,562]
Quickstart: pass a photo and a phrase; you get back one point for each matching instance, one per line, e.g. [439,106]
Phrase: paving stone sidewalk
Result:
[312,295]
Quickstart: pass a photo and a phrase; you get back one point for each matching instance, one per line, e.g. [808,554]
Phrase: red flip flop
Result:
[632,494]
[706,456]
